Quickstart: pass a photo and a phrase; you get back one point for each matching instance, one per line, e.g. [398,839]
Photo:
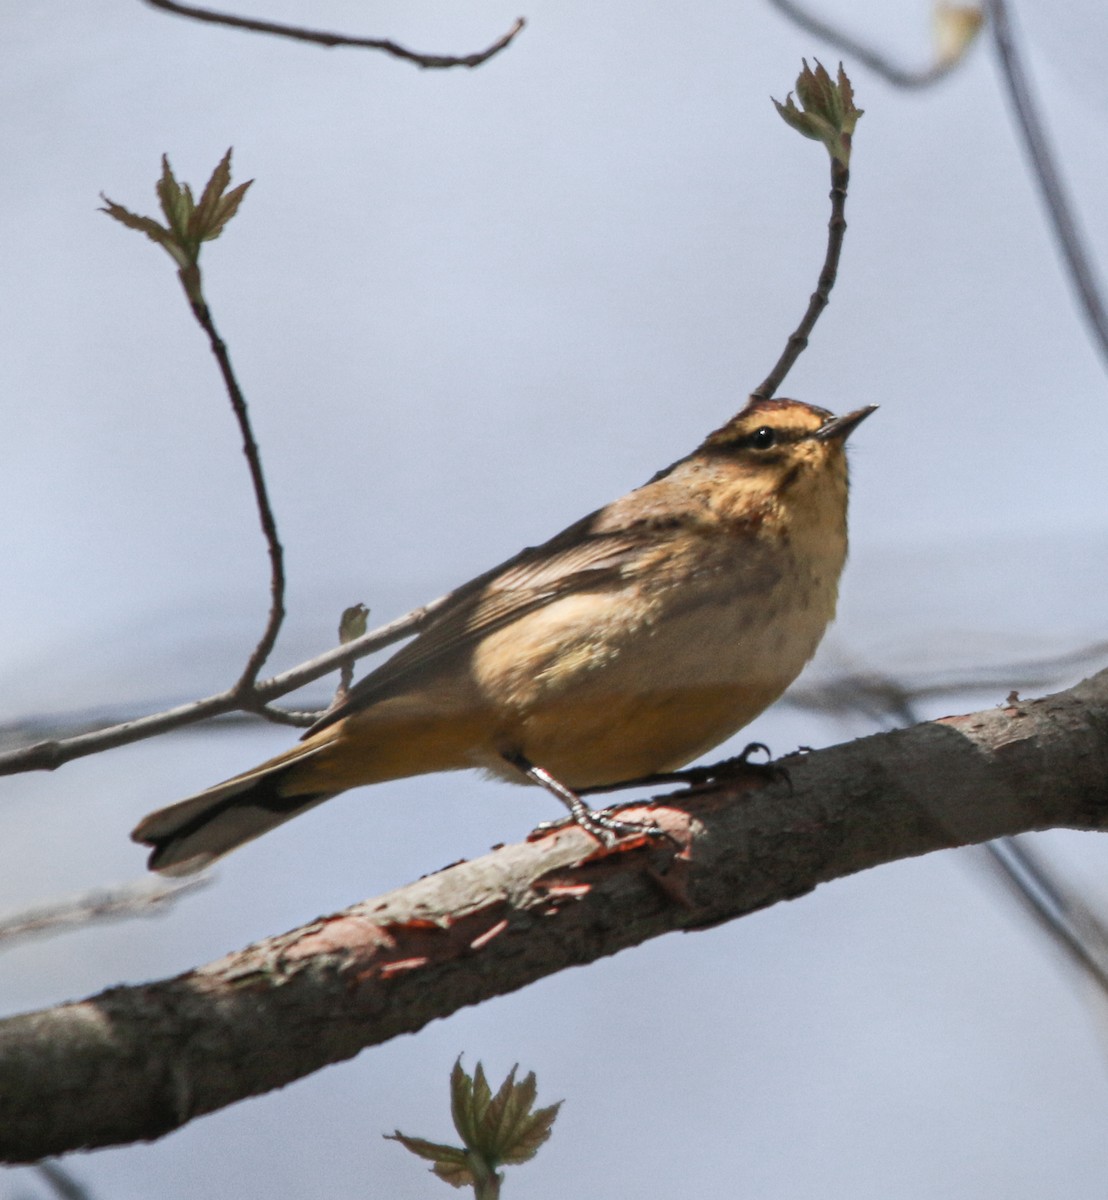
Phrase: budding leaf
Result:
[827,112]
[495,1130]
[352,623]
[450,1163]
[188,224]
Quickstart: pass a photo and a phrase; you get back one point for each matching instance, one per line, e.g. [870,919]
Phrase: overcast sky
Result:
[467,308]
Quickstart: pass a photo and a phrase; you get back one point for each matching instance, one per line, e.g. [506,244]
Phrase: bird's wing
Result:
[589,554]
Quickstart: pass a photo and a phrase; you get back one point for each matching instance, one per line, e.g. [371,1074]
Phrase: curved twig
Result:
[836,231]
[324,38]
[876,61]
[1063,220]
[244,689]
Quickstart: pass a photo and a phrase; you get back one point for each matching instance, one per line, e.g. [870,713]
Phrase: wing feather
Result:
[587,555]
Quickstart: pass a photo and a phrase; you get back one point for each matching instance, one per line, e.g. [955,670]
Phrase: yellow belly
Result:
[595,687]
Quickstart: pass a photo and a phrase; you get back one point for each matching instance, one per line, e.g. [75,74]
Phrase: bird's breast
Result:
[606,685]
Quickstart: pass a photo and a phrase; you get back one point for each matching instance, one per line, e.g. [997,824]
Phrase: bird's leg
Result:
[604,828]
[738,765]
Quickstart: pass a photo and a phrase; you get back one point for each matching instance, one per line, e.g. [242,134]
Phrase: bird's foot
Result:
[598,822]
[730,768]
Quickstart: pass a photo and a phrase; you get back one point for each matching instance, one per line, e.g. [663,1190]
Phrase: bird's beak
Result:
[840,428]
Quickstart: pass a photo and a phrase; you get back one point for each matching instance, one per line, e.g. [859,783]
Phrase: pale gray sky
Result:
[466,309]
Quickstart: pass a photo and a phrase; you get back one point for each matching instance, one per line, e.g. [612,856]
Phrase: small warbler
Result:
[626,646]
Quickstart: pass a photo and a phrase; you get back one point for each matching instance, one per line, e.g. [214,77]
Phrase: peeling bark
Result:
[134,1063]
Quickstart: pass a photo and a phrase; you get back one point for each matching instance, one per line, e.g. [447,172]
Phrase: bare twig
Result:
[330,40]
[64,1185]
[861,690]
[52,753]
[1063,220]
[798,340]
[827,114]
[1036,143]
[870,57]
[143,898]
[1055,907]
[244,689]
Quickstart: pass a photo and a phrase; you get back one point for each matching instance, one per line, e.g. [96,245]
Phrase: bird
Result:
[623,648]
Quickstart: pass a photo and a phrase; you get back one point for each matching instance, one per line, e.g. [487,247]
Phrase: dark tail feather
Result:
[193,833]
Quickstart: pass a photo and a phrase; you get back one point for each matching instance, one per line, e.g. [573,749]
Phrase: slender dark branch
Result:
[323,38]
[1055,908]
[64,1185]
[883,696]
[867,55]
[52,753]
[244,689]
[836,230]
[1041,156]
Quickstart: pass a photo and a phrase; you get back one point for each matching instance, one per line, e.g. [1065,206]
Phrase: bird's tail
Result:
[191,834]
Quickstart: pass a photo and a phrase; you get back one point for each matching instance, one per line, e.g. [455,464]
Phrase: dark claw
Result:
[695,776]
[606,829]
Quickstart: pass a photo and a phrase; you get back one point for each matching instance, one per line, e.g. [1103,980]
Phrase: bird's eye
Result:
[762,439]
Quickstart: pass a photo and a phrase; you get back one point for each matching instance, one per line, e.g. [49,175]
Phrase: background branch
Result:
[145,897]
[244,690]
[330,40]
[136,1062]
[52,753]
[867,55]
[1071,243]
[1040,154]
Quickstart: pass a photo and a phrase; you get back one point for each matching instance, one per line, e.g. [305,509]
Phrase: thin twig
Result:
[836,230]
[244,690]
[324,38]
[142,898]
[1047,174]
[1071,243]
[64,1184]
[1057,910]
[867,55]
[52,753]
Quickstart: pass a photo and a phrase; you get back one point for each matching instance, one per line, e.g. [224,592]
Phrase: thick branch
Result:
[137,1062]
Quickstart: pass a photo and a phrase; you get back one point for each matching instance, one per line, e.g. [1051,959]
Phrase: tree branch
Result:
[819,299]
[1037,146]
[144,898]
[330,40]
[244,689]
[137,1062]
[869,56]
[54,752]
